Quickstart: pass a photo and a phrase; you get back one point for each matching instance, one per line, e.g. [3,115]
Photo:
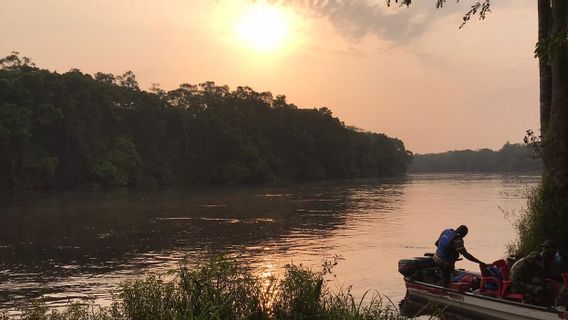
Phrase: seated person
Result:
[527,277]
[552,261]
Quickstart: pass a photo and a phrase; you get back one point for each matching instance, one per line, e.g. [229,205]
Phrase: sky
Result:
[410,73]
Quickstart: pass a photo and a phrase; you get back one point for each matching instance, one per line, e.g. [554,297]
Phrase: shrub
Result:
[223,289]
[546,212]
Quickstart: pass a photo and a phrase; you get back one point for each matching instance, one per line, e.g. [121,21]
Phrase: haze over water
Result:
[75,245]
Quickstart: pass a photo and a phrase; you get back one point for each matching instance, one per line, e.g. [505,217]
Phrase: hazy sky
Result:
[409,73]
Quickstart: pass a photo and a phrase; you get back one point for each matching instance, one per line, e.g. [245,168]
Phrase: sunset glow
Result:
[378,68]
[264,28]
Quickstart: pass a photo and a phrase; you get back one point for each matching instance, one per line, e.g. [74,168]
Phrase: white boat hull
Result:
[478,306]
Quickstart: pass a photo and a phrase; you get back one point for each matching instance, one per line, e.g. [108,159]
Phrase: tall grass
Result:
[225,289]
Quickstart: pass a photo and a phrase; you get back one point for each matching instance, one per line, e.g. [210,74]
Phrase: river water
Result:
[65,246]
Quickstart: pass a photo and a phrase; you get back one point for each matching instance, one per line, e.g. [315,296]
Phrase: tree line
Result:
[78,130]
[510,158]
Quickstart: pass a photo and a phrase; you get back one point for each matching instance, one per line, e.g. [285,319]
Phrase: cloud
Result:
[358,18]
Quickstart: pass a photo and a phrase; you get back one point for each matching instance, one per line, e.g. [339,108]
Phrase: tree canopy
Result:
[76,130]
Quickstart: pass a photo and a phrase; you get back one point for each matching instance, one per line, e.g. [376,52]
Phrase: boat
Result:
[463,299]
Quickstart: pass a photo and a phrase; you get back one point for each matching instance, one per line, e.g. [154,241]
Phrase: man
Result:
[450,245]
[551,259]
[527,277]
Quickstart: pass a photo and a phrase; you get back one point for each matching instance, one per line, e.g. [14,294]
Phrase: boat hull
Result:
[475,306]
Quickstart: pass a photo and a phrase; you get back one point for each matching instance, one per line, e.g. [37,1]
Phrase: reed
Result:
[226,289]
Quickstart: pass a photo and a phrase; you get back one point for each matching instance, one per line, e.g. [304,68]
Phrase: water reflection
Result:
[64,246]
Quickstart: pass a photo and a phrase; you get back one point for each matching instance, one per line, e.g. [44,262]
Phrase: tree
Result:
[76,130]
[117,167]
[481,7]
[552,51]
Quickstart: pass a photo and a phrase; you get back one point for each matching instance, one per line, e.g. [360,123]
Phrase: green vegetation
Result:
[545,215]
[224,289]
[76,130]
[544,218]
[511,158]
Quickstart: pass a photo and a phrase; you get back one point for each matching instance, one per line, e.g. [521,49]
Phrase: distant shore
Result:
[510,158]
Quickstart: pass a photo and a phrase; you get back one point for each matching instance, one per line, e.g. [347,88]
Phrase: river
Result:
[63,246]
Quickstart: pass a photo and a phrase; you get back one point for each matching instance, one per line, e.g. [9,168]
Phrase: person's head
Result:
[534,259]
[549,248]
[461,231]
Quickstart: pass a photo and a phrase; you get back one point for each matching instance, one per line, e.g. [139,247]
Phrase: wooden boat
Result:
[462,300]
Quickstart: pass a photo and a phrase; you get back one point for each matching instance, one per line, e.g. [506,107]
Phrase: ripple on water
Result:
[117,238]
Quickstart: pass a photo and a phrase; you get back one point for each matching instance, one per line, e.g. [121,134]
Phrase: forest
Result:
[510,158]
[75,130]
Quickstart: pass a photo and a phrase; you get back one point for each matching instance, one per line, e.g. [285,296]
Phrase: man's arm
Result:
[459,246]
[471,258]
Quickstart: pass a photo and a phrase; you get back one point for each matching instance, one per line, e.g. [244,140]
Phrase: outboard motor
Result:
[407,267]
[425,262]
[418,268]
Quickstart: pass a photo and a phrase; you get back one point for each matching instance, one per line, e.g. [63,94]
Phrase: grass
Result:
[225,289]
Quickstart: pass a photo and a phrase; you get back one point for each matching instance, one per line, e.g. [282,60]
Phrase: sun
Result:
[264,27]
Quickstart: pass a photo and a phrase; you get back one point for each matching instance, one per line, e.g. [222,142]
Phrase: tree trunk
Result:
[544,26]
[554,129]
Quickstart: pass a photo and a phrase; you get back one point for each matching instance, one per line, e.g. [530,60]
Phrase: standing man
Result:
[450,246]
